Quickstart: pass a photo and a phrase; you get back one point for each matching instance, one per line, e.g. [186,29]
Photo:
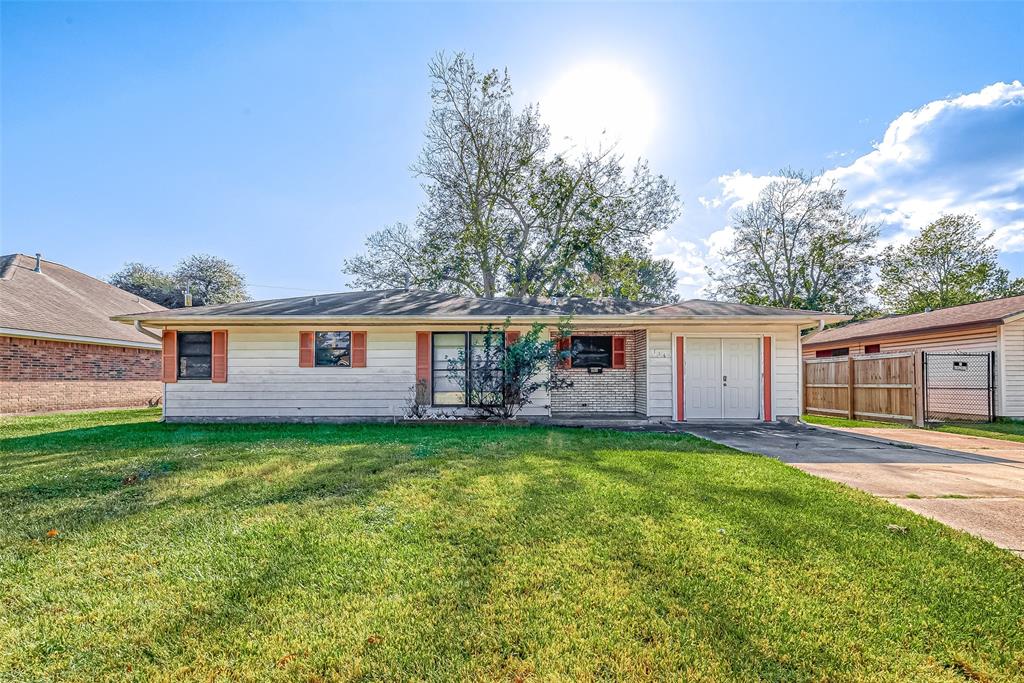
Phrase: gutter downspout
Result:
[148,333]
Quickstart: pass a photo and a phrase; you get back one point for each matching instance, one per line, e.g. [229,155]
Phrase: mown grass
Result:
[470,553]
[827,421]
[1007,430]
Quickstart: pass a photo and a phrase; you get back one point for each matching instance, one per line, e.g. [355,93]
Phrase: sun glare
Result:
[600,103]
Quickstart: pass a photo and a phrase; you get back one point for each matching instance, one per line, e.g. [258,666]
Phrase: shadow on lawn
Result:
[650,523]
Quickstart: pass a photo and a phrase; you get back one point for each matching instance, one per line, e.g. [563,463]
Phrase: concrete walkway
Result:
[981,493]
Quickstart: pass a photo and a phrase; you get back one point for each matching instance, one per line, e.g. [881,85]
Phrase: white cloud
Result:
[740,188]
[962,154]
[712,203]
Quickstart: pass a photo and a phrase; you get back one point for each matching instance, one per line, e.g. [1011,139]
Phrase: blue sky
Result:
[279,135]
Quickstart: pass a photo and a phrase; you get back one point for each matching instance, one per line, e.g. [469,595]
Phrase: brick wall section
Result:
[40,375]
[641,371]
[612,391]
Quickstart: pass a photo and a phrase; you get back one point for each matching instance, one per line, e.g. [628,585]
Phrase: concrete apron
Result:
[982,494]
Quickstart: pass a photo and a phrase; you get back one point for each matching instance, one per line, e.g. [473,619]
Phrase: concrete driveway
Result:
[987,490]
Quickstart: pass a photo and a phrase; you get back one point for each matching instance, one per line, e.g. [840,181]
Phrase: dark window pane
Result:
[333,357]
[333,340]
[194,367]
[333,349]
[194,355]
[592,352]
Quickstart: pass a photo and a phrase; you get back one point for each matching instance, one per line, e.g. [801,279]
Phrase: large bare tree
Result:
[505,214]
[798,246]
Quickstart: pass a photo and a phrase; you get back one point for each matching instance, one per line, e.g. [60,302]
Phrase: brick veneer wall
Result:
[39,375]
[612,391]
[641,371]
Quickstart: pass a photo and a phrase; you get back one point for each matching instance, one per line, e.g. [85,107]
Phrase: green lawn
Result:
[844,422]
[462,552]
[1006,430]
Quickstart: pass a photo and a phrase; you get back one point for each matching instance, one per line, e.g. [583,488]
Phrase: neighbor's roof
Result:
[62,302]
[398,304]
[990,312]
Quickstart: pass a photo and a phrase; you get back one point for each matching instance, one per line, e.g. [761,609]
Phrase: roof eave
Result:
[977,324]
[77,338]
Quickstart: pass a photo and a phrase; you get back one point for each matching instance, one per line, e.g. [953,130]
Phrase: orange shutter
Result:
[305,349]
[618,352]
[511,337]
[219,356]
[767,370]
[169,357]
[359,349]
[564,344]
[423,368]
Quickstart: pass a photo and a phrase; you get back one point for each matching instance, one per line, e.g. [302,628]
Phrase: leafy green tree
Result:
[504,214]
[950,263]
[210,280]
[149,283]
[798,246]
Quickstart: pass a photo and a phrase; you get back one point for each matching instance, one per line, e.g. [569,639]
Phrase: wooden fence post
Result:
[850,385]
[803,387]
[919,389]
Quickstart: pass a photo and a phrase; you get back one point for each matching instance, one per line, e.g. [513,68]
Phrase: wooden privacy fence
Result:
[881,385]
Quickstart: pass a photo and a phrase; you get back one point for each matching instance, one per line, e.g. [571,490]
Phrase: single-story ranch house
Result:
[362,355]
[995,326]
[59,349]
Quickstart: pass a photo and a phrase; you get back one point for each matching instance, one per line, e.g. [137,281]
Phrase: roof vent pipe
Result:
[39,263]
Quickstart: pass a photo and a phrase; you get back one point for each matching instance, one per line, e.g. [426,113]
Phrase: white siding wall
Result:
[659,373]
[786,385]
[265,380]
[786,381]
[1013,369]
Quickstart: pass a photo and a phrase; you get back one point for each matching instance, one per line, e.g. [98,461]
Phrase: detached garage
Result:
[955,339]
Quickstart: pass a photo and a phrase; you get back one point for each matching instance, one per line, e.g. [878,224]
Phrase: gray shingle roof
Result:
[421,303]
[699,307]
[63,301]
[397,302]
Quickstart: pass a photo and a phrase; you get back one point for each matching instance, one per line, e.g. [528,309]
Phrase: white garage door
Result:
[721,378]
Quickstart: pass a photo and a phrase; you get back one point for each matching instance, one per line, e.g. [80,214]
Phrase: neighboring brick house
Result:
[59,350]
[995,326]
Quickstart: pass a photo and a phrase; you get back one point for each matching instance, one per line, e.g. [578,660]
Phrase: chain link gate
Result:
[959,387]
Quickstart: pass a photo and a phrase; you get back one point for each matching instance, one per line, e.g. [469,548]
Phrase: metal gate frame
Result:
[990,389]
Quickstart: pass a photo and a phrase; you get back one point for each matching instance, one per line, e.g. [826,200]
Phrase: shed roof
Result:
[991,312]
[65,302]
